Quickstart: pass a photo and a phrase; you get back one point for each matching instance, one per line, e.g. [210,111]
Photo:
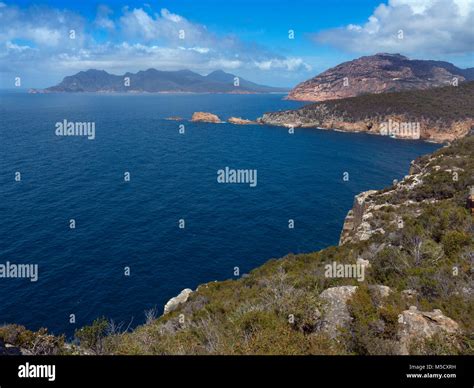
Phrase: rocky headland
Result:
[439,115]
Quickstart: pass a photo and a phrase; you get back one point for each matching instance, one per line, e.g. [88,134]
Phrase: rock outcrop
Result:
[418,325]
[336,315]
[173,303]
[414,325]
[205,117]
[355,217]
[240,121]
[377,74]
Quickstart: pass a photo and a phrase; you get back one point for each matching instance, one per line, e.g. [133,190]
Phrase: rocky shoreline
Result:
[395,126]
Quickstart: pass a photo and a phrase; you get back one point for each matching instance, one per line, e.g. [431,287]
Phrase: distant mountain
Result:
[378,74]
[154,81]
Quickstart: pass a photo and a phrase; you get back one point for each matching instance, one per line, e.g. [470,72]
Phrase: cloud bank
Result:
[434,27]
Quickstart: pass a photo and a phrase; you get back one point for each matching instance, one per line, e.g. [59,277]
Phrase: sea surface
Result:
[173,176]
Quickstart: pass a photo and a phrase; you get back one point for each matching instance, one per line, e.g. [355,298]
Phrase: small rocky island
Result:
[205,117]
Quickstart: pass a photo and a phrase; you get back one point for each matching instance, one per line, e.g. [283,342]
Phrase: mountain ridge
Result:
[158,81]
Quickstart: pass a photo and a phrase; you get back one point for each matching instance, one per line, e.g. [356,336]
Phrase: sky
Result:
[272,42]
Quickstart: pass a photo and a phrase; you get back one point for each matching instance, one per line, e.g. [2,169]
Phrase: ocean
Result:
[126,190]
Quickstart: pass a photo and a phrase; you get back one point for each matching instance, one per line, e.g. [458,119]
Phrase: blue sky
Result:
[247,38]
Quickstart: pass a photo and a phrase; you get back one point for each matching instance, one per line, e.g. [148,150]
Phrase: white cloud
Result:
[433,27]
[45,27]
[226,64]
[290,64]
[170,16]
[103,19]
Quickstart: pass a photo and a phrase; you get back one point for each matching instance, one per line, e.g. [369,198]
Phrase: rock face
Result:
[205,117]
[173,303]
[377,74]
[239,121]
[355,217]
[336,315]
[419,325]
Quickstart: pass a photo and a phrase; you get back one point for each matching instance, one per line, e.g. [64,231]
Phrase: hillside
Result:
[379,73]
[439,114]
[413,242]
[155,81]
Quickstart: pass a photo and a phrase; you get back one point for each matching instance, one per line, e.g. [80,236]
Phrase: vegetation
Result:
[446,103]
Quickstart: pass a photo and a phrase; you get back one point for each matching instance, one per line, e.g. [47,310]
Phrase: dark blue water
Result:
[173,176]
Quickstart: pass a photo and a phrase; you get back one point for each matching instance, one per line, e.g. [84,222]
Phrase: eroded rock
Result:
[173,303]
[418,325]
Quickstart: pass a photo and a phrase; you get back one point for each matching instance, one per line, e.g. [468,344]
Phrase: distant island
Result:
[158,81]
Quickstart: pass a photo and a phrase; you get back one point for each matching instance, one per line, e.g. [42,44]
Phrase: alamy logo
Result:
[75,128]
[15,271]
[400,129]
[230,175]
[37,371]
[338,270]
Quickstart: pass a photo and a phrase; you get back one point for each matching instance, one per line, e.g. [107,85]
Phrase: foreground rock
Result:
[336,315]
[173,303]
[205,117]
[418,325]
[414,326]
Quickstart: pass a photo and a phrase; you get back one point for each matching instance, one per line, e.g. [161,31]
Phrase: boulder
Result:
[419,325]
[173,303]
[336,315]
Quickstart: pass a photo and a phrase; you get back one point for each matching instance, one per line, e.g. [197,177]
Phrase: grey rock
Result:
[173,303]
